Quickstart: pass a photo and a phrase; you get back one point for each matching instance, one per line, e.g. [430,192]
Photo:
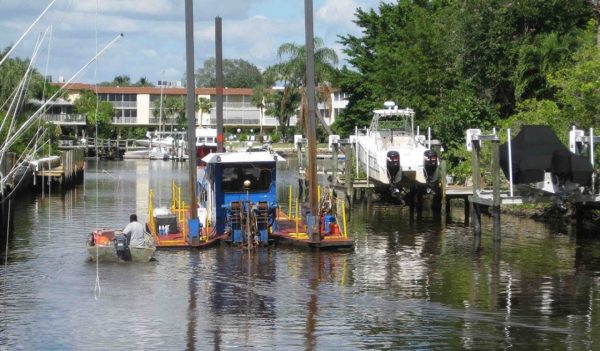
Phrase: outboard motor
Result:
[393,164]
[122,247]
[430,161]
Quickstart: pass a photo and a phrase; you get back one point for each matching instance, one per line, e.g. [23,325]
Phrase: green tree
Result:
[282,106]
[143,82]
[578,86]
[203,105]
[407,54]
[462,64]
[119,81]
[291,71]
[174,109]
[237,73]
[259,93]
[98,113]
[12,72]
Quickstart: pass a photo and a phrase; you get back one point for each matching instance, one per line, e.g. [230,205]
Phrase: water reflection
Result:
[411,282]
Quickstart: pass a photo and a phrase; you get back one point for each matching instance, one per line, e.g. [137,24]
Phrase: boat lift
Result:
[494,198]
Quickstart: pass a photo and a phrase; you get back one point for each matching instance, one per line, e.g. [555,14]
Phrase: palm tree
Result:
[292,72]
[204,106]
[122,81]
[143,82]
[258,100]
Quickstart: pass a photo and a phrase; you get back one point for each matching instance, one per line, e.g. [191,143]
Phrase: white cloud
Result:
[337,12]
[149,52]
[148,7]
[155,32]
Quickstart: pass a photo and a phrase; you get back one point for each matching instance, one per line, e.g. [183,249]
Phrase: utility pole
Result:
[191,104]
[311,132]
[219,79]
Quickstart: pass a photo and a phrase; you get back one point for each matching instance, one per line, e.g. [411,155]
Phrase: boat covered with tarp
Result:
[540,159]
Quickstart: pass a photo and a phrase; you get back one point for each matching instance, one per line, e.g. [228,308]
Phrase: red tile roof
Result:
[153,90]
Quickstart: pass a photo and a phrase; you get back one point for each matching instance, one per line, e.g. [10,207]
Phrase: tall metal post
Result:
[219,81]
[496,187]
[311,133]
[190,110]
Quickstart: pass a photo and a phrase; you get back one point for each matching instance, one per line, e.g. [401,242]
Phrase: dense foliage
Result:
[12,72]
[475,64]
[237,73]
[98,114]
[124,80]
[174,109]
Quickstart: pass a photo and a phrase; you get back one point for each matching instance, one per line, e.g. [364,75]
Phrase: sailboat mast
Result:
[311,131]
[191,104]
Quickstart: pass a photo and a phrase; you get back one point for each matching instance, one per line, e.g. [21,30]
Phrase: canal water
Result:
[416,283]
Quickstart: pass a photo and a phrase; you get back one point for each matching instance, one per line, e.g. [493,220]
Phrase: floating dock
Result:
[172,227]
[292,228]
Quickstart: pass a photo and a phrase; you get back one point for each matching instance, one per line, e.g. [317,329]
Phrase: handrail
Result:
[151,211]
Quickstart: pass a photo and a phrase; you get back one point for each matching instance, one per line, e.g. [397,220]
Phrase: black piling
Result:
[348,174]
[496,188]
[476,208]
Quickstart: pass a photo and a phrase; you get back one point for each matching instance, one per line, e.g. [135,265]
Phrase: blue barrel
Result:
[328,220]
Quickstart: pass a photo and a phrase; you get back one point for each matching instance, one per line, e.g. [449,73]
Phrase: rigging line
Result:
[49,188]
[47,64]
[21,159]
[19,181]
[96,126]
[26,32]
[36,114]
[96,78]
[97,288]
[7,235]
[15,95]
[26,80]
[6,258]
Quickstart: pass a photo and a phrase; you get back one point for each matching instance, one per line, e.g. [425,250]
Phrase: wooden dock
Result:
[69,172]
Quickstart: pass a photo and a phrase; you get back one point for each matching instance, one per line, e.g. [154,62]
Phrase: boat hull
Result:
[411,172]
[109,254]
[102,247]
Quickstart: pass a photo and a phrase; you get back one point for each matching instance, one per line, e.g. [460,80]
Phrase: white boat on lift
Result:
[394,157]
[206,142]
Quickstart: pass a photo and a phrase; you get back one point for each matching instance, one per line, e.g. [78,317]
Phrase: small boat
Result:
[109,245]
[159,153]
[395,157]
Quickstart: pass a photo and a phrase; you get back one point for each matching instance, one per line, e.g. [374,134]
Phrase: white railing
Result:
[124,104]
[124,120]
[72,118]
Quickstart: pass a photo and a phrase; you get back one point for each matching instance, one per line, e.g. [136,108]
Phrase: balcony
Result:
[164,121]
[124,104]
[124,120]
[65,119]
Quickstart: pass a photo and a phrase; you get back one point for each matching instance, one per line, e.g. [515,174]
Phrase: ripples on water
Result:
[409,284]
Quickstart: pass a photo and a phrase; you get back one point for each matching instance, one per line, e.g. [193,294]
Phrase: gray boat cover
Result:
[537,149]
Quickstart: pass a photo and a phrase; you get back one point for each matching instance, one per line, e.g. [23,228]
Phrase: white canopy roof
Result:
[242,157]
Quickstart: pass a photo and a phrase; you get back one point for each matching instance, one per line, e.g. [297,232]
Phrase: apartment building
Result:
[139,107]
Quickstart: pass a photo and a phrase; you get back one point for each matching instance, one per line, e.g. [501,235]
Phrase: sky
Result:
[153,45]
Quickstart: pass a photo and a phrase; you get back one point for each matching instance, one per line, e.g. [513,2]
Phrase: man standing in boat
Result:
[134,231]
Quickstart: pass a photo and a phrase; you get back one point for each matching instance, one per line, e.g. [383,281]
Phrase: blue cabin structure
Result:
[237,195]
